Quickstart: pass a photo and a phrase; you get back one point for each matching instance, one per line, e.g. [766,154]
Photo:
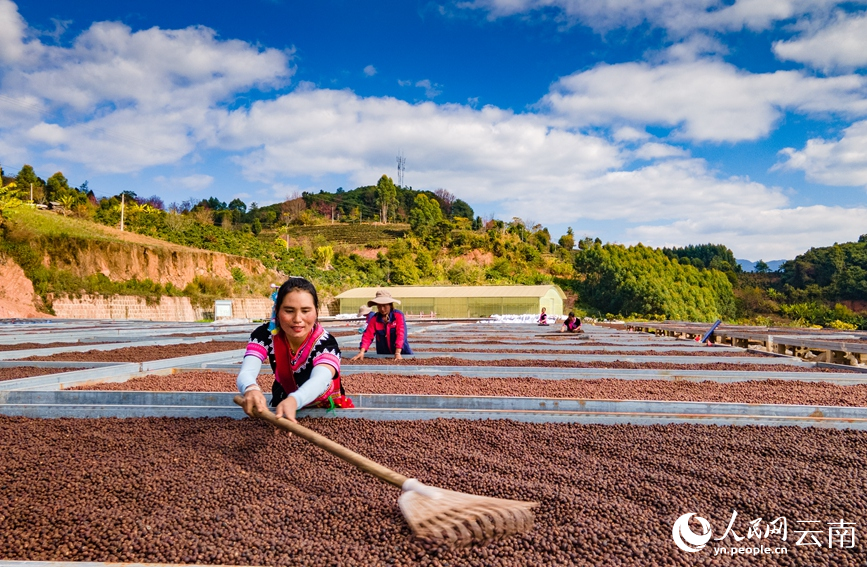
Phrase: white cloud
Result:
[47,133]
[337,132]
[431,90]
[195,182]
[127,140]
[13,31]
[703,100]
[780,233]
[149,69]
[629,134]
[370,70]
[693,48]
[668,190]
[655,150]
[841,45]
[677,16]
[60,27]
[128,99]
[836,162]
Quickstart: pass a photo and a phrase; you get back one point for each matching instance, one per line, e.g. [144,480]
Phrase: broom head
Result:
[436,514]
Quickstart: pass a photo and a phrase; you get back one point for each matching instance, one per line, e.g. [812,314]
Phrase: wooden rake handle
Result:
[335,449]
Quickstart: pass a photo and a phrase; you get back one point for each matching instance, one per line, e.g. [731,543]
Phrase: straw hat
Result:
[363,311]
[382,298]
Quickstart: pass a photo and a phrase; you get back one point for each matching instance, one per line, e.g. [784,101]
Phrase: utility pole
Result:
[31,192]
[401,166]
[122,202]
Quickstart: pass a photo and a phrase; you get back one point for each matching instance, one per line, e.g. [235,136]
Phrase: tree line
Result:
[437,239]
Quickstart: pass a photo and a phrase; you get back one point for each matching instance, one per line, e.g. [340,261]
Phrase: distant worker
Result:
[387,326]
[572,324]
[543,318]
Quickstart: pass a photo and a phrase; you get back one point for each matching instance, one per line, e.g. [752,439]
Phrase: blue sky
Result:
[667,122]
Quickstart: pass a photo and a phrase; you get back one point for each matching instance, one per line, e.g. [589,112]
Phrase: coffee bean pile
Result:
[144,353]
[223,491]
[343,333]
[27,371]
[616,364]
[754,391]
[748,392]
[192,381]
[28,346]
[206,333]
[720,354]
[493,341]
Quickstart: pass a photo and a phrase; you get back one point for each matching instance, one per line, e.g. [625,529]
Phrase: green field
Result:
[52,224]
[371,235]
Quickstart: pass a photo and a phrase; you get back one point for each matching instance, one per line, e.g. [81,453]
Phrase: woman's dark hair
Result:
[571,314]
[296,283]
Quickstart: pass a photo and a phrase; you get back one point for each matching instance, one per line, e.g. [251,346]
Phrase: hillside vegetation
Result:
[387,235]
[70,256]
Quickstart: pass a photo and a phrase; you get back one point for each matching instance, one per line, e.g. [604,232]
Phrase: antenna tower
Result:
[401,167]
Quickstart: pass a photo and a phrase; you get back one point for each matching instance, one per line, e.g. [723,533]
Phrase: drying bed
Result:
[614,365]
[28,346]
[223,491]
[187,381]
[577,340]
[17,372]
[144,353]
[427,339]
[696,352]
[747,392]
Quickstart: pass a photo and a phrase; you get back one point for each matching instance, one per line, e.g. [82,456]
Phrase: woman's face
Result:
[384,309]
[296,316]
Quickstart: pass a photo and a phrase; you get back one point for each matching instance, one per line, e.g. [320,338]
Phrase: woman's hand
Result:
[287,408]
[397,355]
[359,356]
[254,399]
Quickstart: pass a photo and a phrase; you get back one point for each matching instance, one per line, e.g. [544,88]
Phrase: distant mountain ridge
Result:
[748,266]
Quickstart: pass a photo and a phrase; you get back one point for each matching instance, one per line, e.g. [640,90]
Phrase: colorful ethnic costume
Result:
[293,370]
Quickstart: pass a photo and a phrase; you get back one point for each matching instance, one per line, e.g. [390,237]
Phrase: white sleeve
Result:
[249,372]
[315,386]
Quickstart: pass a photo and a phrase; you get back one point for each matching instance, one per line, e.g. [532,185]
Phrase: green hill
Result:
[381,234]
[65,255]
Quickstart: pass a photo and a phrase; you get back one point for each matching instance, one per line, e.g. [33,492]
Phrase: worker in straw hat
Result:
[387,327]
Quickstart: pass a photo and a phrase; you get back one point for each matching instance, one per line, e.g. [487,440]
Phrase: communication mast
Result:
[401,167]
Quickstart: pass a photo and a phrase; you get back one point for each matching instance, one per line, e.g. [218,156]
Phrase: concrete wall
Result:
[251,308]
[168,308]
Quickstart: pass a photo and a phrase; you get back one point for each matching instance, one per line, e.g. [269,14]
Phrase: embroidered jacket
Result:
[291,372]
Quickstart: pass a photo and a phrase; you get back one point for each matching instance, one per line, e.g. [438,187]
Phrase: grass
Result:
[45,223]
[357,234]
